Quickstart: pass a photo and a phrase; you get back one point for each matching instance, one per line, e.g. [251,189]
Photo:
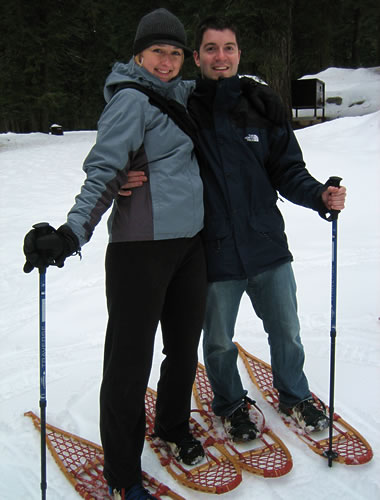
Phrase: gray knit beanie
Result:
[160,26]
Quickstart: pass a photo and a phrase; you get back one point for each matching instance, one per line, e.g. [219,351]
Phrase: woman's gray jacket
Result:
[135,135]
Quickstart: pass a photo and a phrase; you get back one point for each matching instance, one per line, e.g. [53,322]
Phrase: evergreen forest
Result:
[55,55]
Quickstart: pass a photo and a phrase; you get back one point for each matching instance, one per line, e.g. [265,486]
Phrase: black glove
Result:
[264,100]
[45,246]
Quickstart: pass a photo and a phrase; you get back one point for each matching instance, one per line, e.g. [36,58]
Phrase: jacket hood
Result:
[132,72]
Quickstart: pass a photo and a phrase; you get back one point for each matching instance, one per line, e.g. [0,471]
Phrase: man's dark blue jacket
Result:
[249,160]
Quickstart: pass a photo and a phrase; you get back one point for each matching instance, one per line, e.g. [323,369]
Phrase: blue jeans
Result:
[273,297]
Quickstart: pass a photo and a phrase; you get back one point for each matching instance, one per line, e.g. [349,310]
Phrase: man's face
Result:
[219,54]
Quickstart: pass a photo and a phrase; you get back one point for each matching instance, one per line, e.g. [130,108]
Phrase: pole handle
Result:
[42,229]
[333,181]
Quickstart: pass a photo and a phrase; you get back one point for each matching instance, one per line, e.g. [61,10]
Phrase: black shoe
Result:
[188,450]
[135,492]
[239,426]
[308,415]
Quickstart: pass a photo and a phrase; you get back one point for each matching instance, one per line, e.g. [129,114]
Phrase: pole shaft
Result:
[330,454]
[333,335]
[43,380]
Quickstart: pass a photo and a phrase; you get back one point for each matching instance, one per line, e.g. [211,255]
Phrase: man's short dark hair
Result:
[214,23]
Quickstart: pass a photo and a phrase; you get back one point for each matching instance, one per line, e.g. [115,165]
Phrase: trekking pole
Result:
[331,454]
[41,229]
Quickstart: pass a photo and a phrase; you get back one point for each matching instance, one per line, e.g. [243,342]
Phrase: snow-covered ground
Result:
[40,175]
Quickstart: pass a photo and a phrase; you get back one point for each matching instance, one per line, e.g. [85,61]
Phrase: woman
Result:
[155,267]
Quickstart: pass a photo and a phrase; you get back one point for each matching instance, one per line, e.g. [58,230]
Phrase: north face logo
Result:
[252,138]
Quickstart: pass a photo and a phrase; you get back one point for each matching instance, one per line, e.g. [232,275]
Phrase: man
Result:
[249,159]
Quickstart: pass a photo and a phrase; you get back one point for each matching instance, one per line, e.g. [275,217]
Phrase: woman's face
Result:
[161,60]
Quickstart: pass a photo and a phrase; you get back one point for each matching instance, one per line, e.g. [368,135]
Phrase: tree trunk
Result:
[279,71]
[355,59]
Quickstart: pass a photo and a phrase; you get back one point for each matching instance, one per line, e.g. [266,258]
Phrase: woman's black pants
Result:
[149,282]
